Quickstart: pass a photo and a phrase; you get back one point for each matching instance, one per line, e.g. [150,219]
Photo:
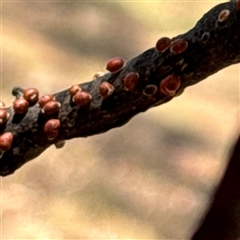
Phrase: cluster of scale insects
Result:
[26,98]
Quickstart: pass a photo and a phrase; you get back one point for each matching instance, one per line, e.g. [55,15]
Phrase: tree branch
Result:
[150,79]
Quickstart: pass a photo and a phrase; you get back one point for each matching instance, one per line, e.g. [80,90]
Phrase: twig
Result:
[150,79]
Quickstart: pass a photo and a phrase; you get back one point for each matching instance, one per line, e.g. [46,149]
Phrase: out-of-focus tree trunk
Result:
[222,221]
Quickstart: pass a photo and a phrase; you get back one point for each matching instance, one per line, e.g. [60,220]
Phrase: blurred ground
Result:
[151,179]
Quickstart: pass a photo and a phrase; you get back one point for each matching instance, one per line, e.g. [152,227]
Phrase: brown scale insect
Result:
[170,85]
[238,4]
[4,115]
[81,98]
[51,107]
[178,46]
[6,140]
[106,89]
[223,15]
[163,44]
[74,89]
[115,64]
[45,99]
[20,105]
[31,94]
[51,128]
[130,81]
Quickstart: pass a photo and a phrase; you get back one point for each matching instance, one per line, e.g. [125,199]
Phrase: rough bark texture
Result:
[212,46]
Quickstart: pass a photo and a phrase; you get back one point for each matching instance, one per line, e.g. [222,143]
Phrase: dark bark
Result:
[223,218]
[212,46]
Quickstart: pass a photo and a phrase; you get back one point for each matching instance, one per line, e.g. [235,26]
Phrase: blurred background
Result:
[150,179]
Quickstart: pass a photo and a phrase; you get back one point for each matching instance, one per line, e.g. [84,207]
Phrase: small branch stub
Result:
[170,85]
[51,128]
[17,92]
[60,144]
[97,75]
